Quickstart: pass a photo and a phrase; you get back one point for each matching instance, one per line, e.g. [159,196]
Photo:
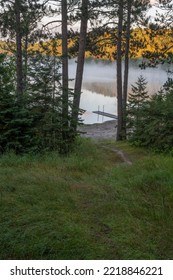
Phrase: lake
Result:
[99,85]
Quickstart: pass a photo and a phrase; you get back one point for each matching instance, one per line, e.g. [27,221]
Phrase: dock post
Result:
[103,112]
[98,114]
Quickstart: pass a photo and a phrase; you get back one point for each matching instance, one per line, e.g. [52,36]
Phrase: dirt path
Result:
[106,130]
[120,153]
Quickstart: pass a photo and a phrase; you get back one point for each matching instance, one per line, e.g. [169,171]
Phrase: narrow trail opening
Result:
[120,153]
[105,131]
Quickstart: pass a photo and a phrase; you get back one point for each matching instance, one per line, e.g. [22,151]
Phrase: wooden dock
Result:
[105,114]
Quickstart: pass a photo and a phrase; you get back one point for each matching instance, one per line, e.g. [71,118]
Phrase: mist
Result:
[100,77]
[99,85]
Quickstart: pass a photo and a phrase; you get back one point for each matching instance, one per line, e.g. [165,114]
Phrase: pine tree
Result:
[137,101]
[35,119]
[18,22]
[7,101]
[84,14]
[16,130]
[44,97]
[155,121]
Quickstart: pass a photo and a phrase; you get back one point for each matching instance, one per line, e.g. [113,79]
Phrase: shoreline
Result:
[105,130]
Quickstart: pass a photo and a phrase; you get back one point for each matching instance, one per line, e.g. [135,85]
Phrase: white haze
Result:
[104,74]
[99,85]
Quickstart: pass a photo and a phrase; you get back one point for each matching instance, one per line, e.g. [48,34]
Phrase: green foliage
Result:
[6,100]
[15,122]
[137,101]
[35,125]
[44,98]
[33,120]
[154,124]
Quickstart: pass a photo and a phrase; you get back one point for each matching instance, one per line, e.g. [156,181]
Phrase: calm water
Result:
[99,86]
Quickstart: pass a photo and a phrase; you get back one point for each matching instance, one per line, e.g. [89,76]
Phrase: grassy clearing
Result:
[86,206]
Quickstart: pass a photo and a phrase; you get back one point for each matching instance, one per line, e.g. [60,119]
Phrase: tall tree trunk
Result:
[19,63]
[119,72]
[80,64]
[25,61]
[64,76]
[126,63]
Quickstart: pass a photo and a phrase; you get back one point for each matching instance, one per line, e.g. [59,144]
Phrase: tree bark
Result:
[19,63]
[126,64]
[119,72]
[64,77]
[80,64]
[25,61]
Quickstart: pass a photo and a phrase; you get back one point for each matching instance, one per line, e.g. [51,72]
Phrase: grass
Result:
[87,206]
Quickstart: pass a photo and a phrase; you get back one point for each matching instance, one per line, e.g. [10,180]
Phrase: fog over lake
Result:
[99,85]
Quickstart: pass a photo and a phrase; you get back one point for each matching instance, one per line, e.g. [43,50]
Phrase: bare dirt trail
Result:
[103,131]
[122,155]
